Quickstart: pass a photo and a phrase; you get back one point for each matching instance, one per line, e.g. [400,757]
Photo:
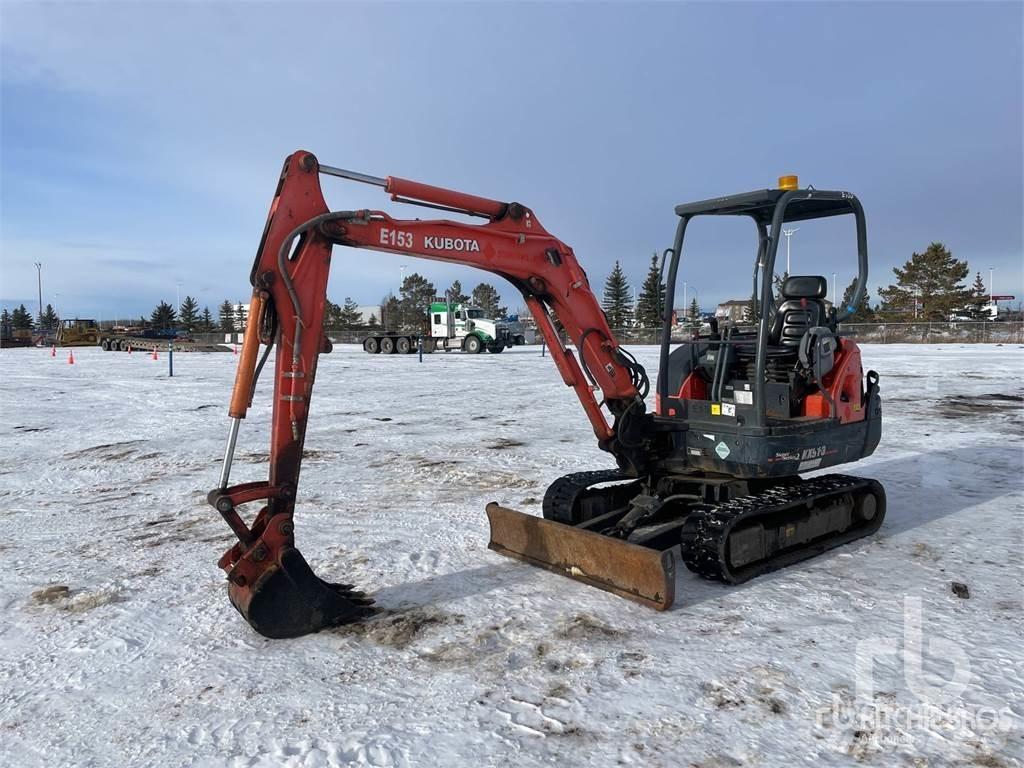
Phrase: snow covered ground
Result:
[118,646]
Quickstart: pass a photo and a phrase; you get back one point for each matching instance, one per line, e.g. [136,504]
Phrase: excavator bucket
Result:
[638,573]
[289,600]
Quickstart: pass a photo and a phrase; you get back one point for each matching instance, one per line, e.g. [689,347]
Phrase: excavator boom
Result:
[270,582]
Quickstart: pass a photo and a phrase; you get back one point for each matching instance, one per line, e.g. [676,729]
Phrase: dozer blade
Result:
[289,600]
[642,574]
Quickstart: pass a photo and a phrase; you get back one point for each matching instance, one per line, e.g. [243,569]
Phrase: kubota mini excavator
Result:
[711,476]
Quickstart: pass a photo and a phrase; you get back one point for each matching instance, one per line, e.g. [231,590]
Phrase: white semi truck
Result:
[452,327]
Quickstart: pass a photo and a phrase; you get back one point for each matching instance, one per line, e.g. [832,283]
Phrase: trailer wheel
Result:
[370,346]
[387,345]
[105,345]
[402,345]
[472,344]
[122,345]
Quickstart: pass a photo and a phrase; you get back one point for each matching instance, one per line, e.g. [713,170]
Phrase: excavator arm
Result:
[269,581]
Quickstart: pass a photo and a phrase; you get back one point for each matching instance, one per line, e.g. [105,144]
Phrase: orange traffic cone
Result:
[129,349]
[53,351]
[155,355]
[71,358]
[234,349]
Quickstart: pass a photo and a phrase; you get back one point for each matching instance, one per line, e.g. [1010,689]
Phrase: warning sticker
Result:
[722,450]
[716,409]
[744,398]
[728,409]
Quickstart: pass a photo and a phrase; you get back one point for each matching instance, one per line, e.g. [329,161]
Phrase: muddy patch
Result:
[51,594]
[582,626]
[421,462]
[322,455]
[63,598]
[107,451]
[25,430]
[503,443]
[978,406]
[400,629]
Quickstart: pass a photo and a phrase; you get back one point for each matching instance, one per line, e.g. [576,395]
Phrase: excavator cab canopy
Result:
[761,206]
[769,209]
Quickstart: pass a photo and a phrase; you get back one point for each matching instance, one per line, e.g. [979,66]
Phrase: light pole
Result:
[39,280]
[177,295]
[403,278]
[991,286]
[789,233]
[833,289]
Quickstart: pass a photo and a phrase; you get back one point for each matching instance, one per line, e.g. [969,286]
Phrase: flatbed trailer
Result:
[114,342]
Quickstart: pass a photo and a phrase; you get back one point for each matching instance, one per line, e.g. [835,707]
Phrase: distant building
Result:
[734,310]
[365,312]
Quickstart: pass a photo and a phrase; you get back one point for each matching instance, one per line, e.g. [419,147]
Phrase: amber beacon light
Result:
[788,182]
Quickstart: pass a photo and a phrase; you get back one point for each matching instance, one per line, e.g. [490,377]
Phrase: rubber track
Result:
[710,524]
[561,495]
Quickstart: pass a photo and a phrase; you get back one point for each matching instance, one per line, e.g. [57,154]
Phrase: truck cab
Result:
[463,326]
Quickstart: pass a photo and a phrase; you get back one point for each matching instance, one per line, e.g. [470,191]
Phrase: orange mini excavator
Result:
[711,476]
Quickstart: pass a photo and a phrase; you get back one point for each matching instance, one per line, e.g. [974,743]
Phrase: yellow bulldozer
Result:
[76,332]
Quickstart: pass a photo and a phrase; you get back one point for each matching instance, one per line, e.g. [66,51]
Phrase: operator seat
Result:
[801,309]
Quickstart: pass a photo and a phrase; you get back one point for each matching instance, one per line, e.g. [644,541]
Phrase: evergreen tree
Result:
[349,316]
[163,316]
[49,319]
[391,313]
[227,317]
[21,319]
[206,321]
[928,286]
[417,293]
[650,307]
[695,310]
[188,313]
[486,297]
[778,280]
[372,322]
[752,312]
[5,318]
[332,314]
[457,296]
[862,313]
[617,300]
[976,308]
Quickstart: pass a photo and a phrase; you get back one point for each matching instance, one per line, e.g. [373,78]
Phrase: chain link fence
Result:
[971,332]
[975,332]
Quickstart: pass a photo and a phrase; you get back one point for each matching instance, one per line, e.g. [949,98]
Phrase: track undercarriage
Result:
[722,528]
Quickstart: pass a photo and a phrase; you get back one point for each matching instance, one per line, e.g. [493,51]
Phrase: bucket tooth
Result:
[638,573]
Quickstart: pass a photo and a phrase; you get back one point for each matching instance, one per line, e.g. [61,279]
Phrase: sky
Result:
[140,144]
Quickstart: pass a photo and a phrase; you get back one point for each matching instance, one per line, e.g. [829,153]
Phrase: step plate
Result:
[638,573]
